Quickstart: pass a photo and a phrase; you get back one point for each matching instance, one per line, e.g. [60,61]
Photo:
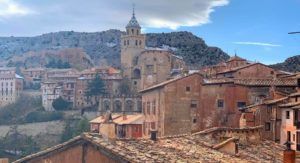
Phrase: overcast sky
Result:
[254,29]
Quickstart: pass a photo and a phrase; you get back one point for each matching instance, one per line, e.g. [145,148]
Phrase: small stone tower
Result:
[132,44]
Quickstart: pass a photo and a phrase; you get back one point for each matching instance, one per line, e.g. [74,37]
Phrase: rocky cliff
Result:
[291,64]
[104,47]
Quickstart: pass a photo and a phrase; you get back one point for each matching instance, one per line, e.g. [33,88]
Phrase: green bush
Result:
[61,104]
[41,116]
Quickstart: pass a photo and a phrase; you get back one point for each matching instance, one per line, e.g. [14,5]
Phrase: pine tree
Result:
[96,87]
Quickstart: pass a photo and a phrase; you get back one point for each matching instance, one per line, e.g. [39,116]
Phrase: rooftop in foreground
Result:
[182,148]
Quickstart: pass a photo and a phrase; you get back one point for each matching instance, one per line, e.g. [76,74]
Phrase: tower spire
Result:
[133,10]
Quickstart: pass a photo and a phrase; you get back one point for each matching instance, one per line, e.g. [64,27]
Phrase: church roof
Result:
[133,23]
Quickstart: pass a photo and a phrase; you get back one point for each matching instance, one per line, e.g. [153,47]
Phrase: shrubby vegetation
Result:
[26,110]
[125,87]
[42,116]
[74,128]
[58,64]
[18,144]
[60,104]
[96,87]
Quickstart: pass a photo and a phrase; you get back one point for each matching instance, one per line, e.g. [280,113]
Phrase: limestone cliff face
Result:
[291,64]
[76,57]
[104,47]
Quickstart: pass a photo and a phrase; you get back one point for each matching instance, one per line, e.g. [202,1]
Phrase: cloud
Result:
[97,15]
[257,44]
[10,8]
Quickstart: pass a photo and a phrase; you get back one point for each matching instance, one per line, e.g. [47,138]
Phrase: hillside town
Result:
[155,108]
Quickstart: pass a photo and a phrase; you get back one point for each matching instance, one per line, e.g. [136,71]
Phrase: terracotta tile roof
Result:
[167,82]
[290,104]
[252,82]
[238,68]
[266,82]
[217,81]
[236,58]
[186,148]
[296,107]
[273,101]
[130,119]
[101,119]
[295,94]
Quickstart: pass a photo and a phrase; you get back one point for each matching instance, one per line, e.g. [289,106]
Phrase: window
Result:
[152,125]
[148,107]
[154,107]
[194,103]
[267,126]
[194,120]
[140,42]
[269,109]
[294,137]
[124,42]
[144,108]
[132,31]
[289,136]
[220,103]
[287,114]
[127,42]
[241,104]
[187,88]
[272,72]
[136,42]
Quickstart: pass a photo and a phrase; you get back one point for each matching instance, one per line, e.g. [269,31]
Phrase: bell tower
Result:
[132,44]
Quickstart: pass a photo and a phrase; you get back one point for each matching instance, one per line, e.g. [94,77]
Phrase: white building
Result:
[11,85]
[50,92]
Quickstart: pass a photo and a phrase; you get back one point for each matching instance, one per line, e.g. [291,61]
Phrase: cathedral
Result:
[142,65]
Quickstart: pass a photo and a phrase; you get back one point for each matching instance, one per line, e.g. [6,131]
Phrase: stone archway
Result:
[137,73]
[129,106]
[117,106]
[106,105]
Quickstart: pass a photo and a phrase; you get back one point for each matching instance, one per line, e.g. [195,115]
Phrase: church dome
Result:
[133,23]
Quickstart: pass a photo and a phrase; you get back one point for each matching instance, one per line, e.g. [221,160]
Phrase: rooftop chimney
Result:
[289,155]
[4,160]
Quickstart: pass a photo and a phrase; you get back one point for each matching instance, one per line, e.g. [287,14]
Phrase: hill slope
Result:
[104,47]
[291,64]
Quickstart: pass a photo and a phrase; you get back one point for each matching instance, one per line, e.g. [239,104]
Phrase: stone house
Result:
[237,67]
[171,107]
[33,76]
[223,98]
[290,125]
[50,92]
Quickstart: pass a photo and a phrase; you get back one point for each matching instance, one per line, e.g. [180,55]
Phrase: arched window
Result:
[132,31]
[136,42]
[139,105]
[106,105]
[129,106]
[136,73]
[117,106]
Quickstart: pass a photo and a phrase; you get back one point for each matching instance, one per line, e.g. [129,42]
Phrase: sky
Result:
[254,29]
